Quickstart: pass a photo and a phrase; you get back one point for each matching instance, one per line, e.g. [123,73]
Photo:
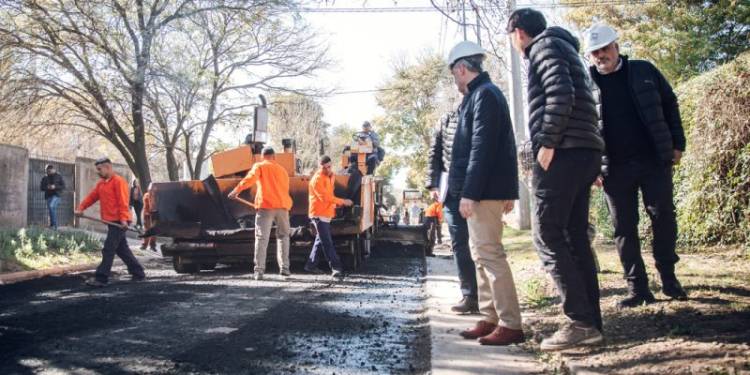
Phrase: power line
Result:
[426,9]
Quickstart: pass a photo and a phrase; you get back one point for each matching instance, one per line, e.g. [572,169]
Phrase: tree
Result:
[300,118]
[412,104]
[682,37]
[94,59]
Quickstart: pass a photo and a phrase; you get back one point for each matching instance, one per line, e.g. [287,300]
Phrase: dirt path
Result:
[219,322]
[708,334]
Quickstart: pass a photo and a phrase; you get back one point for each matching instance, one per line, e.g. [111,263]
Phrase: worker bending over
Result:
[112,194]
[272,204]
[434,219]
[322,209]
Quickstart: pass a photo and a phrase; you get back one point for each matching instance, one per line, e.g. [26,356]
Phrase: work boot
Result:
[143,246]
[311,268]
[258,276]
[636,299]
[672,288]
[571,335]
[337,275]
[154,249]
[502,336]
[467,305]
[285,273]
[137,279]
[96,283]
[483,328]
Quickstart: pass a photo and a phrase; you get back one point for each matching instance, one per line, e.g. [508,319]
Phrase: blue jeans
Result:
[323,246]
[459,231]
[52,203]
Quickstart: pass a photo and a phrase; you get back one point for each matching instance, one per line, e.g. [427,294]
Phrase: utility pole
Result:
[519,124]
[463,11]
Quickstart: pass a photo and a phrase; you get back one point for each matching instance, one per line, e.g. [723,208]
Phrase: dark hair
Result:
[472,63]
[267,151]
[102,161]
[325,159]
[529,20]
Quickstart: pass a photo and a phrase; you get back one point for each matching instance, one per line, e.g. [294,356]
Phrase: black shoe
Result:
[311,268]
[635,300]
[337,275]
[466,306]
[137,279]
[96,283]
[672,289]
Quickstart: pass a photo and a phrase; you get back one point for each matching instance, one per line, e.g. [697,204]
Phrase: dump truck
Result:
[207,228]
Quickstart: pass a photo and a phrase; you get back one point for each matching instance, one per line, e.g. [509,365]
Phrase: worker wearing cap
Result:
[640,120]
[52,185]
[434,219]
[483,184]
[272,202]
[111,191]
[322,210]
[568,148]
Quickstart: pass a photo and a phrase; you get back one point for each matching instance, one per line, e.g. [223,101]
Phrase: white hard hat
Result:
[464,49]
[598,36]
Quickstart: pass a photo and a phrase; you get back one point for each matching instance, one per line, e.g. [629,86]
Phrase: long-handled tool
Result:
[132,229]
[245,202]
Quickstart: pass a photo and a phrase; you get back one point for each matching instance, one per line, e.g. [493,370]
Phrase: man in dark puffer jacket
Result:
[644,137]
[568,149]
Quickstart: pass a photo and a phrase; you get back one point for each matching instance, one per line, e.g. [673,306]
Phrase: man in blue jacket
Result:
[483,176]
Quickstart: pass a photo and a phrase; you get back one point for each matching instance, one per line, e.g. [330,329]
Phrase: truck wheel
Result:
[181,267]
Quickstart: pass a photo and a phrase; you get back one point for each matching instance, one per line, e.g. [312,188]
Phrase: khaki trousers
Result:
[498,301]
[264,220]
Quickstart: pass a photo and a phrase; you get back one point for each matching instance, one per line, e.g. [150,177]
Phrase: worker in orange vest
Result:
[148,206]
[272,202]
[112,194]
[434,220]
[322,209]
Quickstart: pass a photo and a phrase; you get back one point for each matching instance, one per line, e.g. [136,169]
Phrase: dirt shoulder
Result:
[706,334]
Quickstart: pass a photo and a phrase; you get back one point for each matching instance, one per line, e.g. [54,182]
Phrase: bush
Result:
[713,183]
[32,248]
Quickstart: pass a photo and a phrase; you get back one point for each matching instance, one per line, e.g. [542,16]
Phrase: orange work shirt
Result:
[435,210]
[322,201]
[273,185]
[113,196]
[148,204]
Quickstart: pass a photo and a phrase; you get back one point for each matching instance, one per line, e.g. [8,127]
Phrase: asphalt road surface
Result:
[219,322]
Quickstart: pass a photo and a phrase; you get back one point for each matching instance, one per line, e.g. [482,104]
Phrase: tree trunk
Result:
[173,169]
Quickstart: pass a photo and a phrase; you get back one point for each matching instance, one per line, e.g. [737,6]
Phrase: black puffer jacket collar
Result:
[557,32]
[483,77]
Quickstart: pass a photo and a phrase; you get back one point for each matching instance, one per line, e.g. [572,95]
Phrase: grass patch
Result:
[38,248]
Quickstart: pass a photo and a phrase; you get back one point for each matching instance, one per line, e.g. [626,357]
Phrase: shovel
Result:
[245,202]
[132,229]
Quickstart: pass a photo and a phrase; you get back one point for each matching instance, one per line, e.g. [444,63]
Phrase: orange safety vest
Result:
[113,196]
[273,185]
[322,201]
[435,210]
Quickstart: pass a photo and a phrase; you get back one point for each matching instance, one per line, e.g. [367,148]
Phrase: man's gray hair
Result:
[472,63]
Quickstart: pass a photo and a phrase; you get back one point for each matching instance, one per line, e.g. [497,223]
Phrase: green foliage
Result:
[37,248]
[713,182]
[682,37]
[410,103]
[534,293]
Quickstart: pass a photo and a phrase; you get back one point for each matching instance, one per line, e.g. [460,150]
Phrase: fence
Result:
[37,205]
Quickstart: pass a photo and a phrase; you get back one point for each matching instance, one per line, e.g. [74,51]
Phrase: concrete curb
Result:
[11,278]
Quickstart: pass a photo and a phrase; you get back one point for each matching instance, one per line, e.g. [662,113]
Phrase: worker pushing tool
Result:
[272,203]
[112,194]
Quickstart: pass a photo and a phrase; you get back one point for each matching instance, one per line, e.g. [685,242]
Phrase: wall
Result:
[14,167]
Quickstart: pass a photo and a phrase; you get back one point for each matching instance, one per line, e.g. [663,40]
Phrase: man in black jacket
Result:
[644,137]
[483,177]
[568,148]
[52,185]
[439,162]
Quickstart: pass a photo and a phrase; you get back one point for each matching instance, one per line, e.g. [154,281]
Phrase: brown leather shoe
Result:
[503,336]
[483,328]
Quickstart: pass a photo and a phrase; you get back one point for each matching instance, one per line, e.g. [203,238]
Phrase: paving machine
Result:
[208,228]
